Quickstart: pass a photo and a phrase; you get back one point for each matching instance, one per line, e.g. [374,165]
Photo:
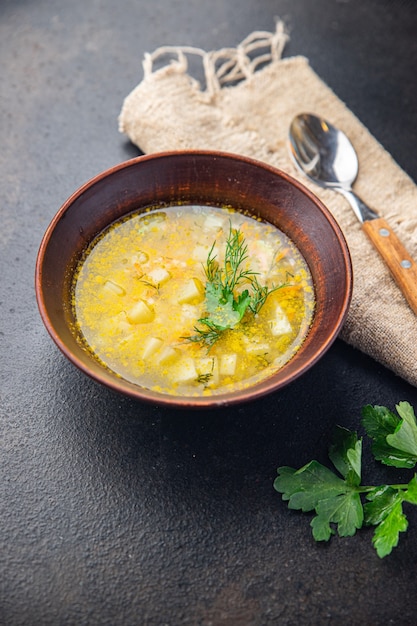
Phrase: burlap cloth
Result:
[250,97]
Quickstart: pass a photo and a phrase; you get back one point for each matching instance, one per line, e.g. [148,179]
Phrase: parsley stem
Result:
[368,488]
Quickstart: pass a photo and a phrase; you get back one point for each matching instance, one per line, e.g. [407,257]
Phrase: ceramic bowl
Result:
[195,177]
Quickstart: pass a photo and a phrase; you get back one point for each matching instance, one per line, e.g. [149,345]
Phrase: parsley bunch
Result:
[340,502]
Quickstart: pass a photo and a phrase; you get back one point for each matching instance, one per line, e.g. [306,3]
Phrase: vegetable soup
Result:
[193,300]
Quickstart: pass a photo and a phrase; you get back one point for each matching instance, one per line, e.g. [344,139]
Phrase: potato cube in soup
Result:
[185,371]
[214,222]
[280,324]
[256,347]
[113,288]
[140,313]
[158,276]
[200,252]
[208,368]
[151,345]
[168,354]
[228,364]
[191,292]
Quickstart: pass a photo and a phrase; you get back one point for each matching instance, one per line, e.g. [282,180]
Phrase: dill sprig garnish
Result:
[225,305]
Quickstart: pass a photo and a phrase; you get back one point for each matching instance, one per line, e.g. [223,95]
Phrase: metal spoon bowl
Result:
[323,151]
[324,154]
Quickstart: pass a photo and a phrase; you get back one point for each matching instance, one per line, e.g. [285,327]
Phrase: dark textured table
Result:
[116,513]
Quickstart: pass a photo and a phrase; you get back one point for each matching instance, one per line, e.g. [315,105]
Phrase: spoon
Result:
[327,157]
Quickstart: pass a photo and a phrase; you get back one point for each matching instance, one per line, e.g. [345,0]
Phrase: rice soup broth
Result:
[140,291]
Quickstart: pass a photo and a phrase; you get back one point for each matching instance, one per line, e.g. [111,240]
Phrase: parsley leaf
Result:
[346,455]
[306,487]
[385,511]
[405,436]
[315,487]
[410,494]
[345,510]
[322,531]
[394,439]
[220,307]
[382,499]
[387,533]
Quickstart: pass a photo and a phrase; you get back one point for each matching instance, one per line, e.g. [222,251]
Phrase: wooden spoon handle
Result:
[402,266]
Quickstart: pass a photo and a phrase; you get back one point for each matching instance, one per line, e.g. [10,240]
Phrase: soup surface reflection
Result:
[193,300]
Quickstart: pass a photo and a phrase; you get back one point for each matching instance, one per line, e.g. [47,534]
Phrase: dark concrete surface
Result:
[115,513]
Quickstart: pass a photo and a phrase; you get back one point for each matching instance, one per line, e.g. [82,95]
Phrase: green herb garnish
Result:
[338,500]
[225,304]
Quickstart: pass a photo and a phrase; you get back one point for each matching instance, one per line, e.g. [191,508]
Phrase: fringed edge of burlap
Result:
[222,67]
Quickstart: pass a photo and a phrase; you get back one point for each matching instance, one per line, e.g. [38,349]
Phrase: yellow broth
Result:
[139,294]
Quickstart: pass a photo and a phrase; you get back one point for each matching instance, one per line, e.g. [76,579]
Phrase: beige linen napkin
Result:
[249,100]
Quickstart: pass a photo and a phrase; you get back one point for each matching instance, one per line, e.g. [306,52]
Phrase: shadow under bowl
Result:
[202,178]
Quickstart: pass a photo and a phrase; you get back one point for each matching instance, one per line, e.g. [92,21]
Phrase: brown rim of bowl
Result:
[304,359]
